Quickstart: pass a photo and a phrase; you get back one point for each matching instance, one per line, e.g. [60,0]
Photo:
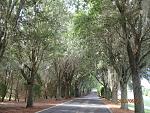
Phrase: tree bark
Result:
[138,96]
[16,91]
[58,90]
[115,93]
[67,90]
[11,88]
[30,95]
[124,104]
[108,92]
[10,93]
[76,89]
[45,94]
[137,89]
[105,91]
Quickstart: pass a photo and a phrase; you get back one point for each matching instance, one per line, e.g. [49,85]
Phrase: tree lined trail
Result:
[59,49]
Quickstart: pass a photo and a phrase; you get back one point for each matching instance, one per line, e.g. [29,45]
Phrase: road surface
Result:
[88,104]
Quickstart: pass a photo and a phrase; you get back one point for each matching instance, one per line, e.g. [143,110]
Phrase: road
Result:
[87,104]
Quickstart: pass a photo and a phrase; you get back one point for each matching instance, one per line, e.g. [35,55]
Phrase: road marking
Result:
[64,104]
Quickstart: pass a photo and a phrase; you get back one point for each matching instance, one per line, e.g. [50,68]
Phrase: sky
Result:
[145,83]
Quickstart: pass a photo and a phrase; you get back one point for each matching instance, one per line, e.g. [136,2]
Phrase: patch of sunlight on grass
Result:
[131,107]
[147,111]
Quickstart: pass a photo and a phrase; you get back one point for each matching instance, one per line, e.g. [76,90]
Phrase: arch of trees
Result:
[62,48]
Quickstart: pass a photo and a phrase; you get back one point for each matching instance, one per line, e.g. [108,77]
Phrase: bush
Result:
[3,91]
[99,87]
[37,90]
[51,89]
[102,92]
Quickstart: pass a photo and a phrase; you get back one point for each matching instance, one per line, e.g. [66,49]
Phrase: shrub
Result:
[37,90]
[102,91]
[3,91]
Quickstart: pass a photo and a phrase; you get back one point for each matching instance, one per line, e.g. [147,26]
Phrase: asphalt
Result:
[87,104]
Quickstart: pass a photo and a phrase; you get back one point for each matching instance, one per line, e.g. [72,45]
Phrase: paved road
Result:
[87,104]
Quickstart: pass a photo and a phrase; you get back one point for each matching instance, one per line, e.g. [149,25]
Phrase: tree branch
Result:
[143,57]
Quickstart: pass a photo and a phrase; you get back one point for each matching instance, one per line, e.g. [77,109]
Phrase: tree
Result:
[134,34]
[9,21]
[100,31]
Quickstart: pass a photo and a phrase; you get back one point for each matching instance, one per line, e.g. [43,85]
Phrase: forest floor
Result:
[115,108]
[19,107]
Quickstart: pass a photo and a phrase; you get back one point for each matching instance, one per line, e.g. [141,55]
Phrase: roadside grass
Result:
[147,111]
[131,107]
[147,101]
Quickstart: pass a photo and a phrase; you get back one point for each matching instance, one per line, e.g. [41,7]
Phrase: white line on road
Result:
[54,106]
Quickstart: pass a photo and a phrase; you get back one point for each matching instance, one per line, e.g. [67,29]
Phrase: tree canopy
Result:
[63,48]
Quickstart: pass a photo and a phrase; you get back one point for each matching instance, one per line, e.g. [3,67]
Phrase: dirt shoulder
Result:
[115,108]
[19,107]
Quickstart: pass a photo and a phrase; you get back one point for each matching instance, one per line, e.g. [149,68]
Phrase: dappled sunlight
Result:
[84,105]
[90,98]
[113,106]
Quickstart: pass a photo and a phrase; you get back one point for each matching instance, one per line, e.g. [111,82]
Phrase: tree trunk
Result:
[10,94]
[115,93]
[30,95]
[45,94]
[58,93]
[11,88]
[69,87]
[76,90]
[58,90]
[83,92]
[107,92]
[3,97]
[67,91]
[26,94]
[124,98]
[72,90]
[16,94]
[137,89]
